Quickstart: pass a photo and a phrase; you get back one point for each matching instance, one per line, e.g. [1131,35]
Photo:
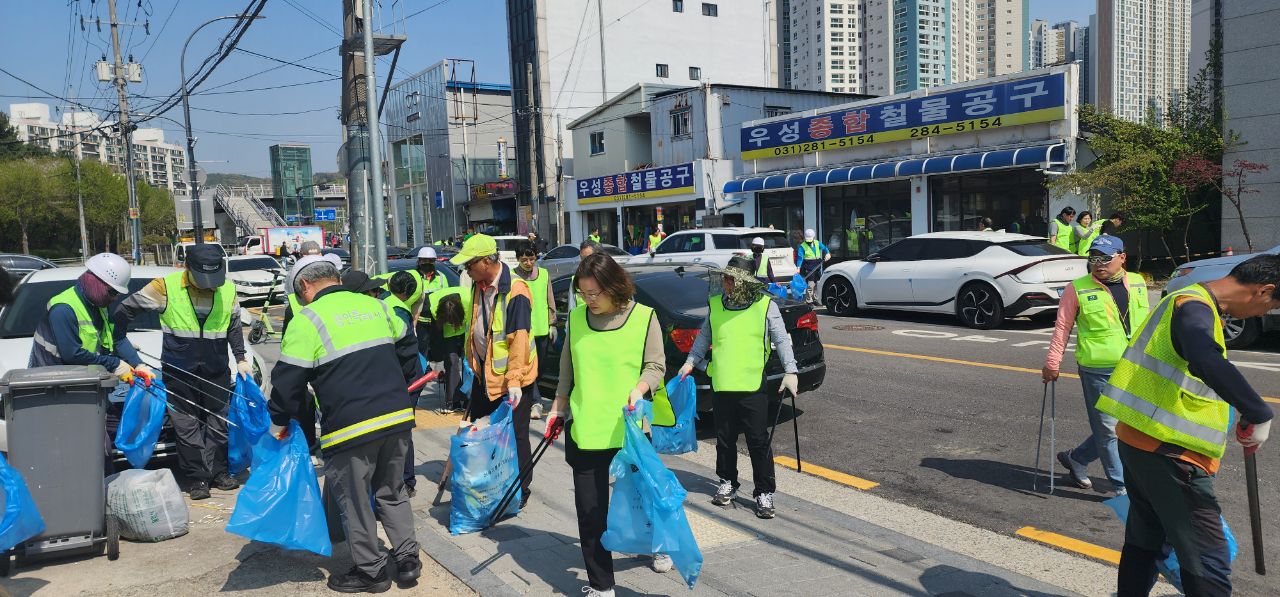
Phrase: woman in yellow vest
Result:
[543,313]
[613,356]
[450,310]
[741,324]
[1060,230]
[1085,230]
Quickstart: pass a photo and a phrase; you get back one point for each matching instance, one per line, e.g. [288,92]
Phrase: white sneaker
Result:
[661,563]
[590,592]
[725,493]
[535,411]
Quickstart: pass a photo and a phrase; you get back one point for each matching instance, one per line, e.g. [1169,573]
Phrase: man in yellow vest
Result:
[499,345]
[741,324]
[594,236]
[1105,307]
[359,358]
[77,329]
[1061,232]
[543,313]
[200,317]
[1172,392]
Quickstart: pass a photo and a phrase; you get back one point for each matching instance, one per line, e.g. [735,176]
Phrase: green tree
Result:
[11,148]
[28,193]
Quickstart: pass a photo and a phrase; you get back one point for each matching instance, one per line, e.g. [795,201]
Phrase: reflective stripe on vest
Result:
[91,339]
[1152,391]
[1100,335]
[366,426]
[741,346]
[498,349]
[179,317]
[541,316]
[358,324]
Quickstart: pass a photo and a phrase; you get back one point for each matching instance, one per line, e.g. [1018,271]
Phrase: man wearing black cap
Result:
[200,317]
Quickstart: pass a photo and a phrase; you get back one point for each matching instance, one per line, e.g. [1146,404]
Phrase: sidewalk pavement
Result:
[827,539]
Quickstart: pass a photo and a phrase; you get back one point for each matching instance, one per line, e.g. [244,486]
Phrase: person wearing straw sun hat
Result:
[741,323]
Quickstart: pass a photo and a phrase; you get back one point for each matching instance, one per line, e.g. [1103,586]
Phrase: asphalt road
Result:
[957,437]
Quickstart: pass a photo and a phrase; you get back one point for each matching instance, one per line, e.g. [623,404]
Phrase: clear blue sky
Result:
[43,44]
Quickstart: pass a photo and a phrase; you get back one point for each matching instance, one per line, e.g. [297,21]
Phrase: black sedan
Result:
[679,295]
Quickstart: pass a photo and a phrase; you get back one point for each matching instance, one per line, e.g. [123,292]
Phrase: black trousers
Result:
[540,344]
[591,500]
[1171,503]
[450,352]
[202,437]
[410,477]
[745,413]
[481,407]
[424,338]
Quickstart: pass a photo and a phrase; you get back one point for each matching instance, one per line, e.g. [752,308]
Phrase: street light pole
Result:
[193,187]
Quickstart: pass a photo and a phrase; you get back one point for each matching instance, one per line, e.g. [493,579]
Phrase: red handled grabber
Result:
[422,381]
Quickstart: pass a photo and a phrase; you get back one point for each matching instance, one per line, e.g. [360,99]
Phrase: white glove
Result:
[686,370]
[552,334]
[1252,436]
[124,372]
[790,383]
[278,432]
[635,397]
[245,369]
[513,396]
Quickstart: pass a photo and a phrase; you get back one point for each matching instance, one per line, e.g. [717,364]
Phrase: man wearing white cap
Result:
[810,256]
[429,280]
[760,262]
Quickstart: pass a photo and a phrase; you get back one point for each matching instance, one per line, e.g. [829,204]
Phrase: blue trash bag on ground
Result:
[249,420]
[484,465]
[280,503]
[682,437]
[22,519]
[1169,567]
[646,512]
[468,376]
[798,286]
[141,421]
[779,290]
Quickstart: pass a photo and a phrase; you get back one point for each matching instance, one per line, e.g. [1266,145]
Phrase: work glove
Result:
[790,383]
[1048,374]
[636,396]
[552,334]
[555,425]
[685,370]
[124,372]
[1252,436]
[279,432]
[245,369]
[144,373]
[513,396]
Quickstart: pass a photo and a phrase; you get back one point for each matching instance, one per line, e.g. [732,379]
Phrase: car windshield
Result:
[685,294]
[19,319]
[776,240]
[244,265]
[1035,248]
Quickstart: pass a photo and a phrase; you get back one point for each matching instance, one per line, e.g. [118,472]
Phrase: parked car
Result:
[18,323]
[563,260]
[679,294]
[19,265]
[249,245]
[1239,333]
[716,246]
[255,276]
[180,252]
[981,277]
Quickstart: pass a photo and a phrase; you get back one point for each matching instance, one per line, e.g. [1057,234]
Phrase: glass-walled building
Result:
[291,182]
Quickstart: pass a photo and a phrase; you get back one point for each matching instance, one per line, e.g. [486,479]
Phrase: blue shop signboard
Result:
[638,184]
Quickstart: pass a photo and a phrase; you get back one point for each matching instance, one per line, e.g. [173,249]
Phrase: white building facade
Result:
[1140,51]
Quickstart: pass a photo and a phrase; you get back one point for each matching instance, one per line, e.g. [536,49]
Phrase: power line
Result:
[161,31]
[288,63]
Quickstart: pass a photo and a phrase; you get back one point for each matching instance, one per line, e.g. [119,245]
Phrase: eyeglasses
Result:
[591,296]
[473,263]
[1100,259]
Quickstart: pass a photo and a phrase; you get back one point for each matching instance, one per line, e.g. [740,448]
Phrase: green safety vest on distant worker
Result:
[762,270]
[433,302]
[595,238]
[394,302]
[1100,335]
[1066,237]
[1153,391]
[498,347]
[654,239]
[91,338]
[429,287]
[1094,231]
[540,324]
[741,346]
[179,316]
[810,250]
[606,367]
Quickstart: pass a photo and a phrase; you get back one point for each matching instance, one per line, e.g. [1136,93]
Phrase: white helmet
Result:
[809,234]
[426,253]
[112,269]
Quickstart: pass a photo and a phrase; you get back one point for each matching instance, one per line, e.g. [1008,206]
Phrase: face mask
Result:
[426,268]
[95,290]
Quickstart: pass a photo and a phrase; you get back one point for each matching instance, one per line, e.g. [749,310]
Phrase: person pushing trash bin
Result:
[1172,392]
[200,317]
[1105,306]
[359,358]
[613,357]
[741,324]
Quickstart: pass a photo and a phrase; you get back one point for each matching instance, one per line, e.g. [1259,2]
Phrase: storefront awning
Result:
[985,160]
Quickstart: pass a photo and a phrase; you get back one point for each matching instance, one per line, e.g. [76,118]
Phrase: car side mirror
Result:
[873,258]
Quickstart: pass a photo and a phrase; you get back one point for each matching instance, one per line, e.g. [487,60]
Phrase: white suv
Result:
[716,246]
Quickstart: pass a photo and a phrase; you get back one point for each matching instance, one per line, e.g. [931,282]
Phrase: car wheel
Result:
[839,297]
[1240,333]
[979,306]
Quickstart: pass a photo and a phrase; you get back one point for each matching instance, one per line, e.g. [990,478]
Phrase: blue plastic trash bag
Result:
[646,512]
[468,376]
[484,466]
[779,290]
[280,503]
[1169,567]
[249,420]
[22,519]
[141,420]
[682,437]
[798,286]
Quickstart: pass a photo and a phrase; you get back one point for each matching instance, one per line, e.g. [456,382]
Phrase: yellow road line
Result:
[925,357]
[826,473]
[1096,552]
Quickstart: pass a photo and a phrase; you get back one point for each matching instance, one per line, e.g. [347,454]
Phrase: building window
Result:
[771,111]
[680,123]
[710,10]
[597,142]
[663,71]
[695,73]
[677,5]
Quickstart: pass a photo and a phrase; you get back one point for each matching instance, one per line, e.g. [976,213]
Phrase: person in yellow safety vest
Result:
[359,358]
[429,280]
[200,317]
[500,346]
[594,236]
[400,287]
[1172,392]
[741,324]
[544,309]
[1105,307]
[1060,232]
[1085,229]
[450,313]
[656,238]
[810,257]
[760,262]
[613,357]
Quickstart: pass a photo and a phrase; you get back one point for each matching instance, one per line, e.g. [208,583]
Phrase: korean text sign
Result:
[1001,105]
[638,184]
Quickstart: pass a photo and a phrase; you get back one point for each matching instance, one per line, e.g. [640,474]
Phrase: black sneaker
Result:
[764,505]
[199,491]
[225,482]
[411,491]
[409,569]
[355,581]
[725,492]
[1076,472]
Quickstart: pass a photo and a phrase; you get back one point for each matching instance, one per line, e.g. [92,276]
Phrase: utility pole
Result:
[126,132]
[378,220]
[604,85]
[84,231]
[559,181]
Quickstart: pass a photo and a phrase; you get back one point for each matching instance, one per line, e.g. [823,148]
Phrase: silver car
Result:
[563,260]
[1239,333]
